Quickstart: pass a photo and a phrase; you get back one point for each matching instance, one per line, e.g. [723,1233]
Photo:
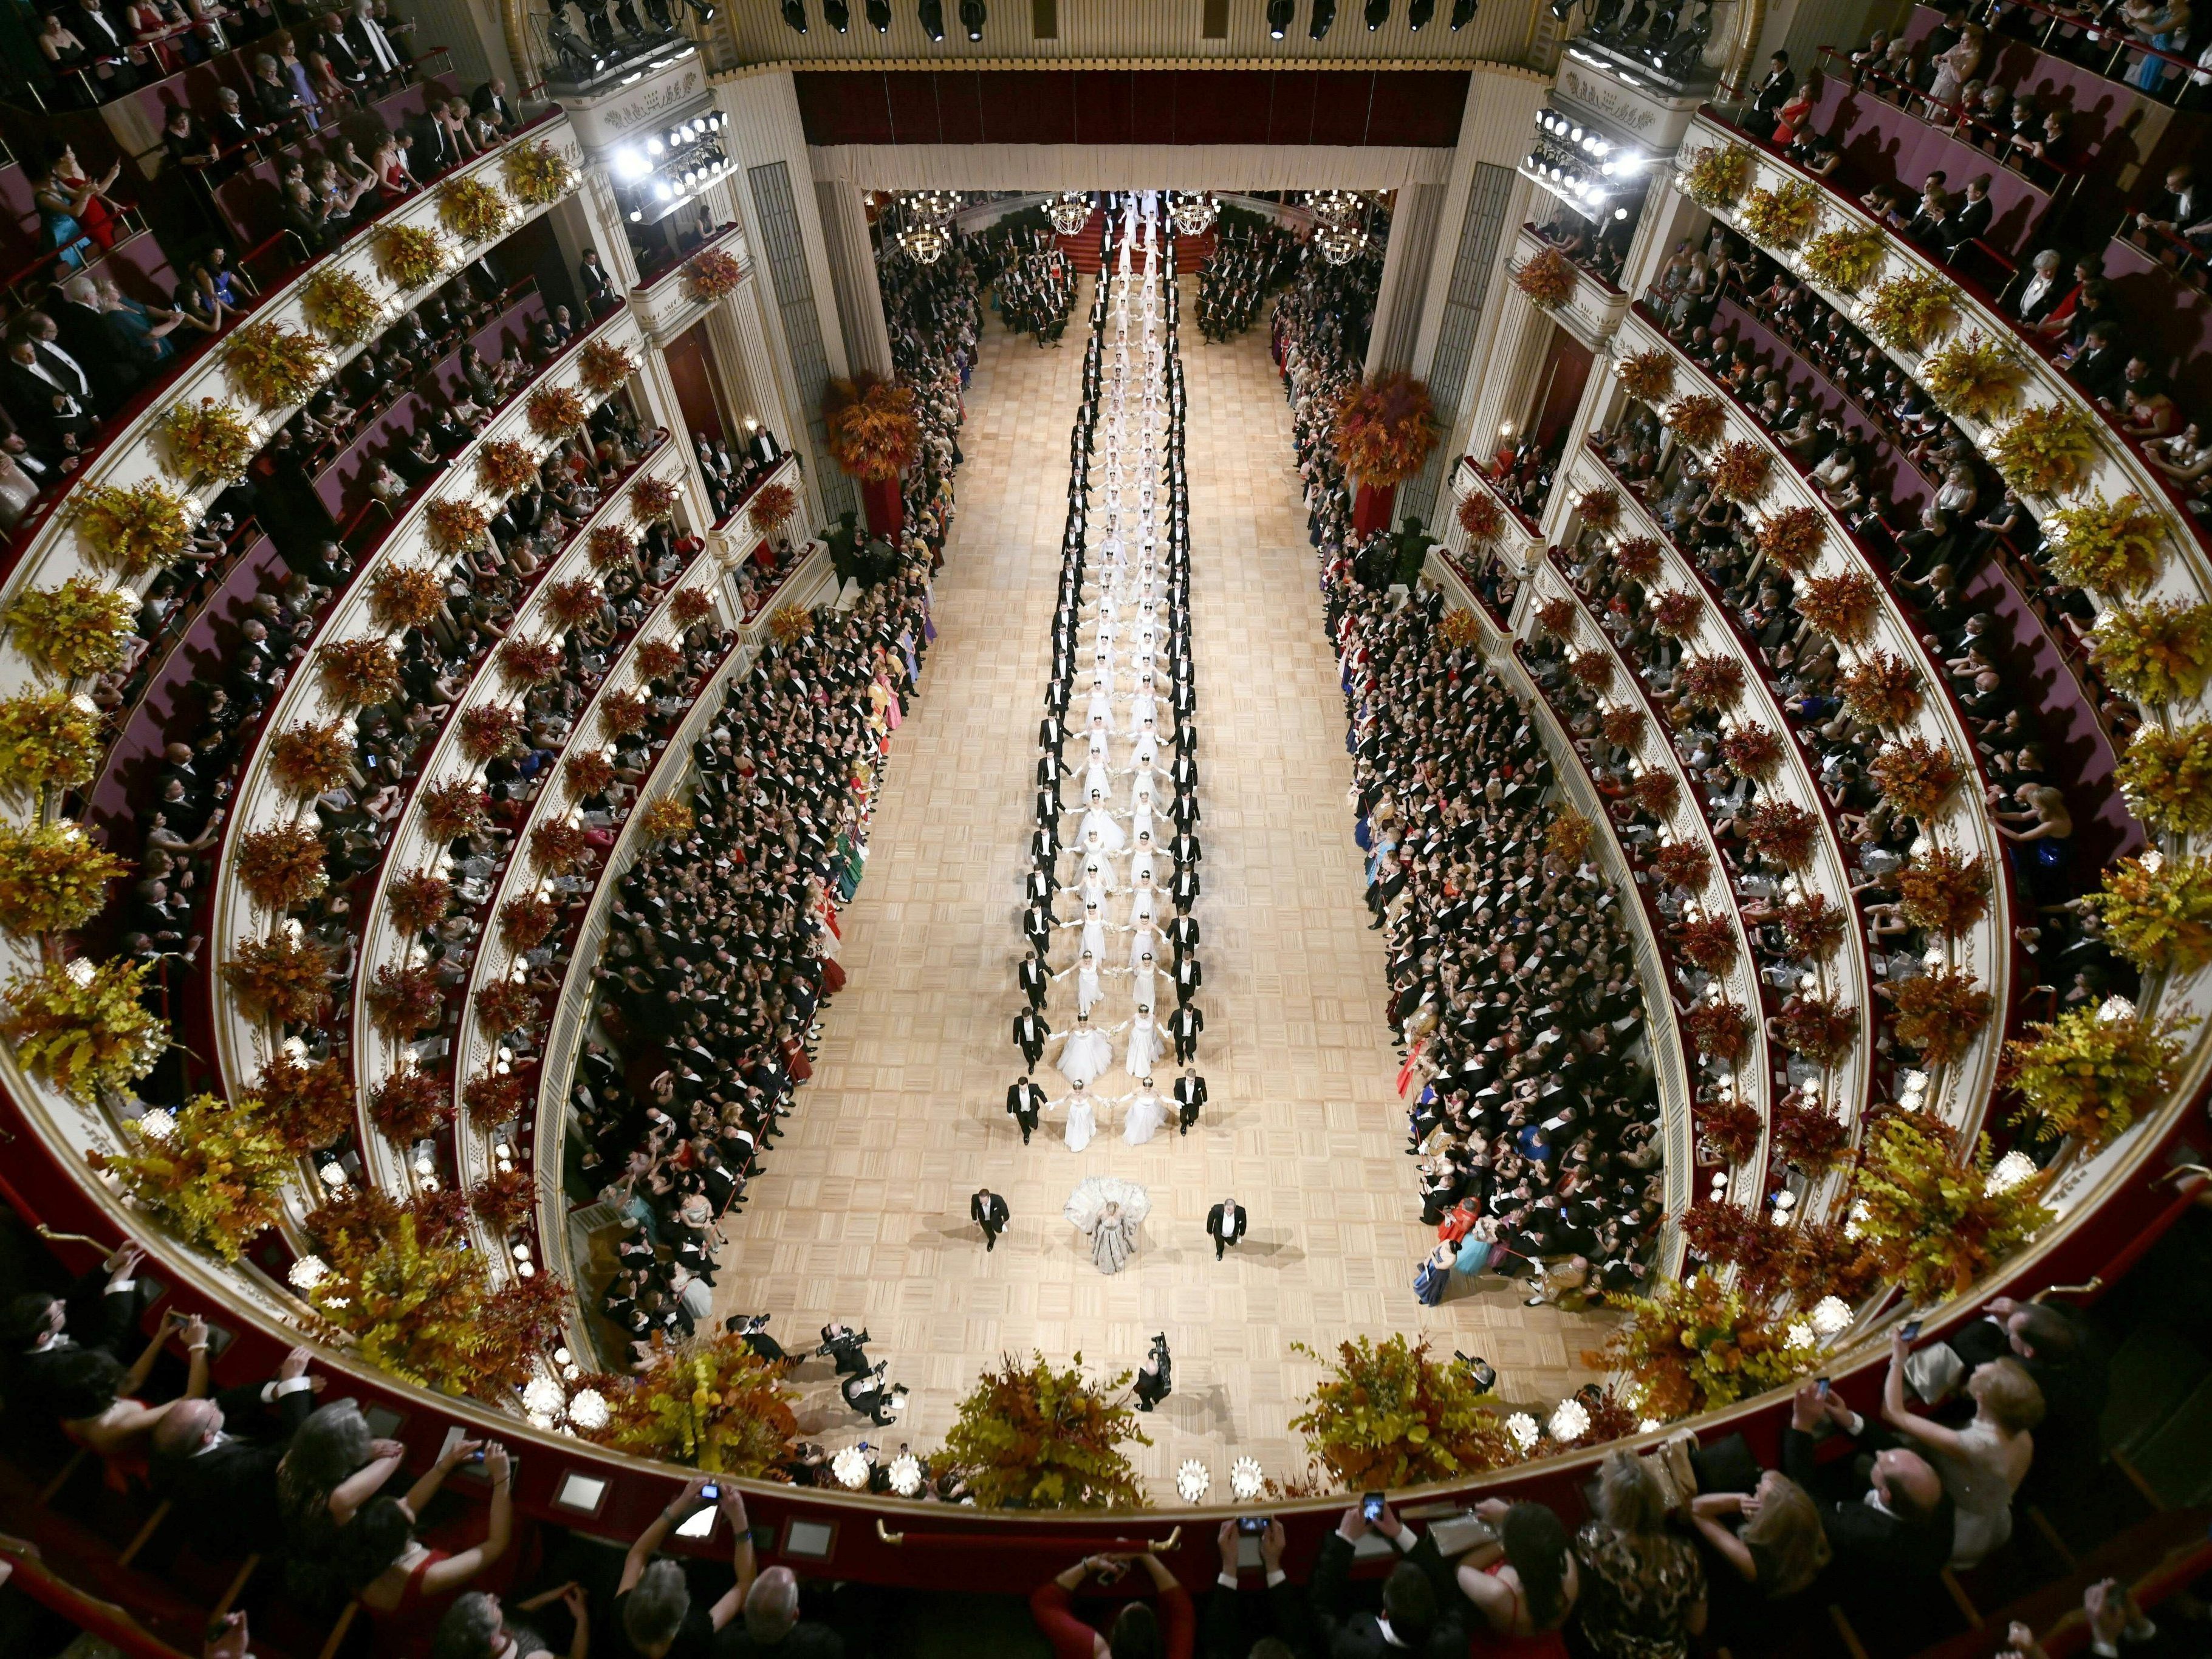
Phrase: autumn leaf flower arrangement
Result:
[208,441]
[83,1026]
[1481,518]
[339,303]
[1656,792]
[508,1004]
[1805,1135]
[1740,471]
[275,366]
[772,507]
[525,662]
[554,411]
[1567,837]
[418,901]
[1549,277]
[1816,1027]
[1718,175]
[306,759]
[53,877]
[1592,667]
[211,1172]
[538,175]
[1600,507]
[1385,1415]
[74,630]
[1706,942]
[2158,651]
[280,867]
[610,544]
[527,922]
[306,1107]
[602,365]
[1623,725]
[1940,1012]
[1842,606]
[621,713]
[588,772]
[472,210]
[575,601]
[456,526]
[1792,538]
[283,979]
[1781,214]
[1719,1029]
[49,738]
[1881,689]
[2114,547]
[1911,312]
[504,1199]
[359,673]
[1933,1222]
[709,273]
[1684,864]
[1812,927]
[666,819]
[2048,451]
[1696,1343]
[2157,912]
[1846,257]
[401,596]
[504,467]
[652,500]
[1646,376]
[559,847]
[1944,890]
[1637,558]
[1781,832]
[488,731]
[405,1002]
[494,1098]
[1751,751]
[1697,419]
[451,810]
[1973,376]
[411,255]
[2094,1071]
[716,1405]
[409,1106]
[1729,1127]
[1915,776]
[135,530]
[658,660]
[1710,682]
[1675,613]
[1556,614]
[2166,776]
[1385,428]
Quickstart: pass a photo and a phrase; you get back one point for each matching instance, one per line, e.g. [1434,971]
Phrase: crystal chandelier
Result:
[1339,245]
[924,244]
[1194,212]
[1334,208]
[1069,212]
[932,207]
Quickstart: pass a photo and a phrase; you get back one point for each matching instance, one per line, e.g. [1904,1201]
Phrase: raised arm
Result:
[456,1571]
[1893,1411]
[365,1482]
[650,1541]
[733,1511]
[426,1484]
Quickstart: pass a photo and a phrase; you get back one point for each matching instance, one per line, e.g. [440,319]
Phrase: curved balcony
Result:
[1520,543]
[1960,1092]
[666,302]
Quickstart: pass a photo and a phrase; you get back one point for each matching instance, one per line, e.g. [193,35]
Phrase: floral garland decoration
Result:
[1915,776]
[1740,471]
[538,175]
[1547,278]
[602,365]
[1944,891]
[1718,1031]
[1843,606]
[451,810]
[133,530]
[1881,689]
[1718,175]
[1646,376]
[276,367]
[1697,420]
[2048,451]
[709,273]
[1932,1223]
[283,979]
[525,922]
[575,602]
[472,210]
[305,1106]
[1684,864]
[1812,927]
[212,1174]
[410,256]
[772,507]
[281,867]
[489,731]
[524,663]
[1846,257]
[2165,776]
[409,1106]
[419,902]
[554,411]
[652,500]
[306,759]
[1911,312]
[1782,832]
[1710,682]
[667,819]
[504,467]
[2157,651]
[208,441]
[49,738]
[1781,214]
[1384,430]
[2115,547]
[1675,613]
[74,630]
[1792,539]
[1598,507]
[53,877]
[359,673]
[559,847]
[405,1002]
[339,304]
[2157,912]
[403,597]
[1973,376]
[1940,1012]
[1751,751]
[2094,1071]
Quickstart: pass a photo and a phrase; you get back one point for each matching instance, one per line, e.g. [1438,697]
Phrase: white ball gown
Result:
[1144,1045]
[1145,1118]
[1113,1238]
[1087,1056]
[1082,1122]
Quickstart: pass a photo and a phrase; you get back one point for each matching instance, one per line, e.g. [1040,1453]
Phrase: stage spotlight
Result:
[1324,19]
[837,13]
[1419,12]
[794,13]
[1463,12]
[1281,14]
[879,15]
[971,18]
[702,9]
[932,20]
[1378,13]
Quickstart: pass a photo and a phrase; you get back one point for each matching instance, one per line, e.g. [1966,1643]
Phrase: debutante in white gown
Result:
[1082,1122]
[1089,988]
[1087,1056]
[1108,1211]
[1146,1117]
[1098,822]
[1144,1045]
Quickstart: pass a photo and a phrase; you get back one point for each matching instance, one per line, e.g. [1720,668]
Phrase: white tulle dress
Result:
[1108,1211]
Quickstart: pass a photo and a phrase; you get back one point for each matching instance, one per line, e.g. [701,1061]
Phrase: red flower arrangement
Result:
[408,1106]
[772,507]
[1637,558]
[610,544]
[527,922]
[1792,537]
[575,601]
[1740,471]
[871,426]
[404,1002]
[657,659]
[1781,832]
[1811,927]
[1656,792]
[307,760]
[1719,1031]
[1623,725]
[1684,864]
[602,366]
[1593,667]
[489,731]
[1817,1029]
[503,1199]
[1710,682]
[282,865]
[1599,508]
[524,663]
[555,412]
[1646,376]
[451,810]
[1944,893]
[1557,614]
[690,606]
[1939,1012]
[495,1097]
[558,846]
[305,1106]
[1881,689]
[709,273]
[1751,751]
[621,713]
[1481,519]
[1841,606]
[652,500]
[281,979]
[508,1004]
[588,772]
[1731,1129]
[1675,611]
[1385,430]
[1720,1232]
[1916,775]
[1546,277]
[1706,942]
[419,901]
[1807,1137]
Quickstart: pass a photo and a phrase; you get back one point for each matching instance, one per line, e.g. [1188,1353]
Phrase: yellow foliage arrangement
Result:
[135,530]
[305,1106]
[2157,651]
[1548,277]
[74,630]
[1718,175]
[791,623]
[48,737]
[53,877]
[1035,1437]
[1696,1343]
[84,1027]
[456,526]
[1385,1415]
[280,866]
[1974,376]
[538,175]
[2048,451]
[504,467]
[771,507]
[1939,1012]
[1944,891]
[2166,776]
[2157,912]
[872,432]
[1915,776]
[339,304]
[1846,257]
[1792,539]
[307,759]
[709,273]
[1385,428]
[1929,1220]
[712,1402]
[208,440]
[359,673]
[1911,312]
[275,366]
[411,255]
[555,412]
[2115,547]
[283,979]
[1697,419]
[667,819]
[602,366]
[212,1174]
[403,596]
[1842,606]
[416,1308]
[1646,376]
[2094,1071]
[1782,215]
[472,210]
[1881,689]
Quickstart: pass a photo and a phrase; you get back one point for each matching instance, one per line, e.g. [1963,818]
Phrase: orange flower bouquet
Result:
[1385,430]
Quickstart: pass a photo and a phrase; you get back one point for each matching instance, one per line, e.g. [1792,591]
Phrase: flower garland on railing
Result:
[418,902]
[1718,1029]
[1706,942]
[525,922]
[2115,547]
[74,630]
[1944,891]
[772,507]
[339,304]
[1730,1127]
[1694,1344]
[1718,175]
[495,1097]
[472,210]
[1592,667]
[524,663]
[621,713]
[405,1002]
[410,1105]
[410,256]
[666,819]
[504,467]
[1684,864]
[1598,507]
[2094,1071]
[1933,1223]
[276,367]
[1782,832]
[1940,1012]
[554,411]
[508,1004]
[1481,519]
[49,738]
[284,979]
[306,1107]
[53,877]
[455,526]
[602,365]
[1697,419]
[359,673]
[489,731]
[1782,215]
[213,1174]
[2158,651]
[1911,312]
[709,273]
[1384,430]
[402,597]
[1751,751]
[559,847]
[1846,257]
[1567,837]
[1881,689]
[306,759]
[1637,558]
[2165,775]
[652,500]
[1822,1030]
[135,530]
[1792,538]
[1623,725]
[451,810]
[1915,776]
[280,867]
[1709,682]
[2157,912]
[1973,376]
[1646,376]
[208,441]
[1675,613]
[1842,606]
[1547,278]
[2049,451]
[1656,792]
[1812,927]
[586,773]
[538,175]
[1739,470]
[575,602]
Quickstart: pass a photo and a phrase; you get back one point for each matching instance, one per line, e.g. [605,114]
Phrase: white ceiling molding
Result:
[1130,166]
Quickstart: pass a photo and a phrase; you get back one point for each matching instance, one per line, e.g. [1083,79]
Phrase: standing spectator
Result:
[655,1612]
[771,1627]
[1982,1464]
[1523,1585]
[1139,1631]
[1422,1611]
[1642,1590]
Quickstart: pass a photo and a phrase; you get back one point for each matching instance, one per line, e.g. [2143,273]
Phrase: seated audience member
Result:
[477,1626]
[1422,1612]
[655,1611]
[1140,1631]
[1643,1591]
[1523,1586]
[218,1458]
[2058,1348]
[1230,1617]
[771,1628]
[1776,1546]
[93,1395]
